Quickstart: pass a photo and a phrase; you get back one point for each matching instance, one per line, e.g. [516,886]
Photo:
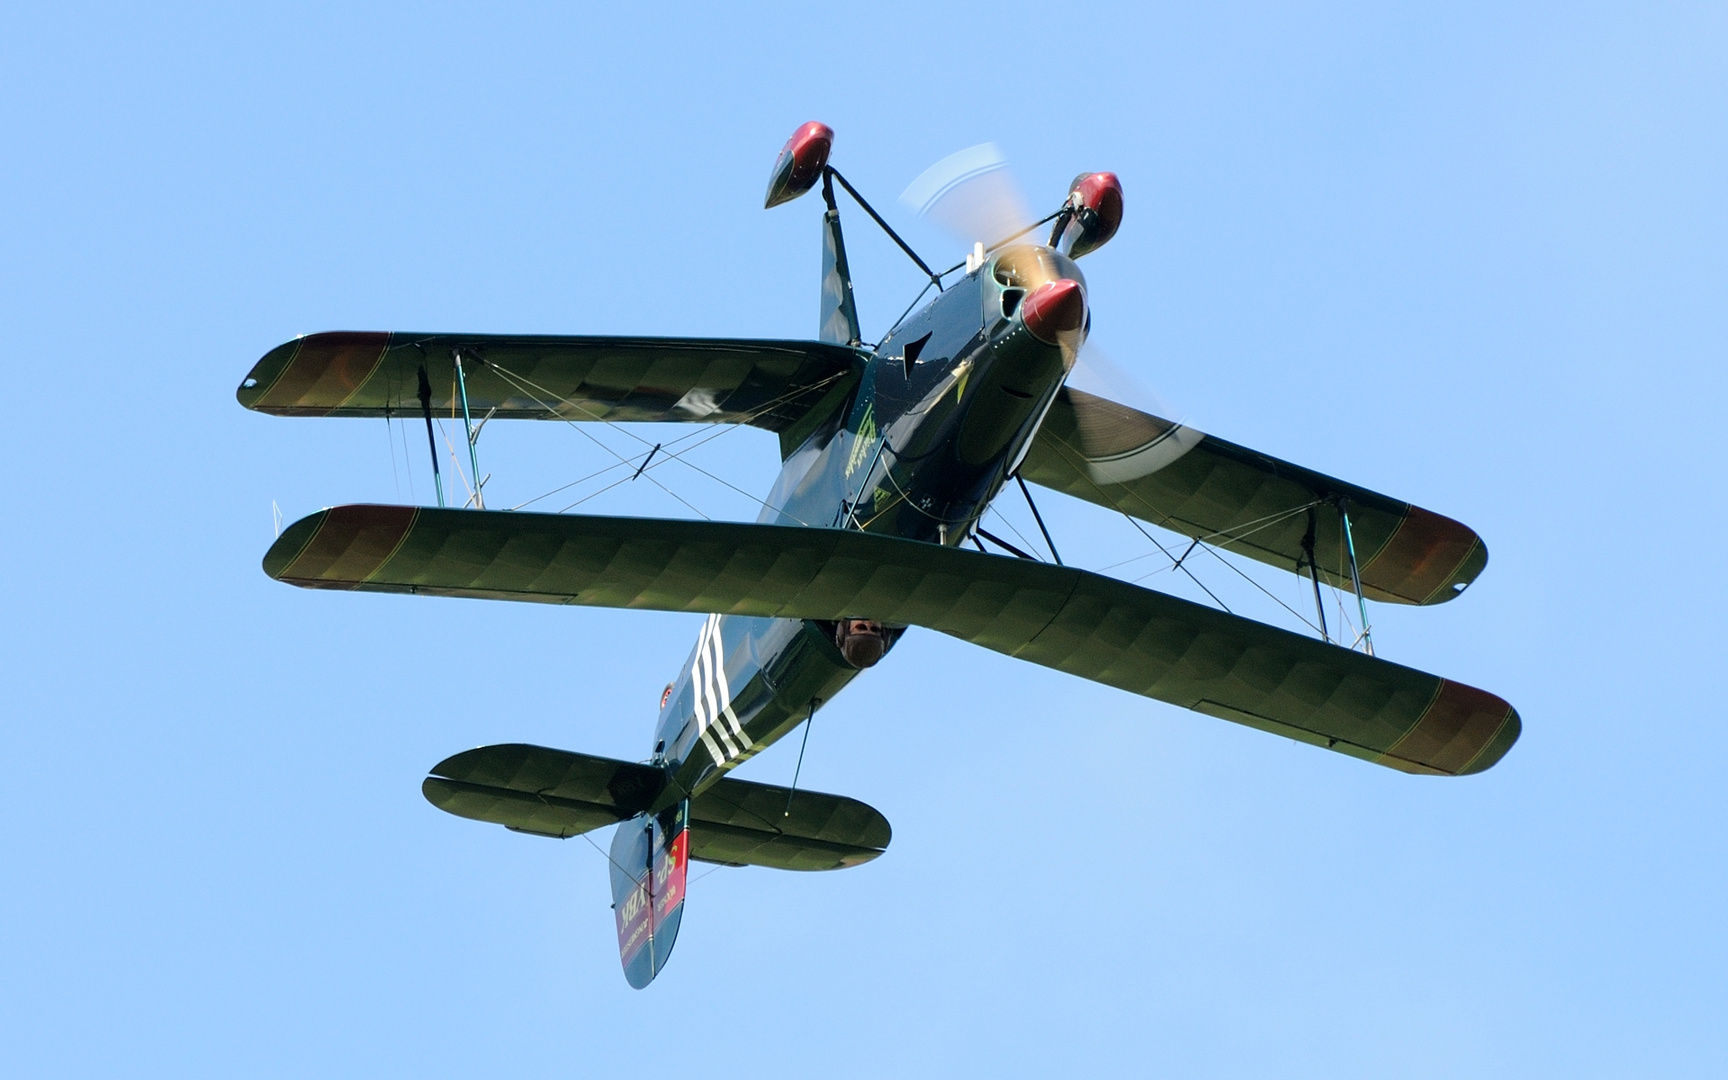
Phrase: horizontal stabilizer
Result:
[1086,624]
[549,793]
[557,793]
[740,823]
[1244,501]
[765,383]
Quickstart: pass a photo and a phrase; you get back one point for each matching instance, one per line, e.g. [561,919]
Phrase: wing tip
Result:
[264,375]
[1463,575]
[1497,746]
[339,547]
[314,374]
[292,541]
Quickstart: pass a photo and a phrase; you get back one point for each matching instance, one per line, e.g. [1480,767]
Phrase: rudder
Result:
[649,865]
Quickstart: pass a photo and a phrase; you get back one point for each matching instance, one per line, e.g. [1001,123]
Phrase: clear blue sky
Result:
[1472,255]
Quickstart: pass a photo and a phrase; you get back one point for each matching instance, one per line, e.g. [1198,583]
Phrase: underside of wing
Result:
[769,384]
[1082,623]
[558,793]
[1248,502]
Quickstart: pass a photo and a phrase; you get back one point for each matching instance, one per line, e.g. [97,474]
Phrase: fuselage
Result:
[943,411]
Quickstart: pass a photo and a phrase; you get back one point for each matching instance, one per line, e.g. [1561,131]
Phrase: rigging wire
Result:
[1039,518]
[1232,535]
[935,278]
[614,862]
[390,439]
[1180,564]
[1259,523]
[621,458]
[1214,552]
[571,484]
[1209,549]
[407,461]
[908,310]
[609,858]
[705,873]
[527,386]
[748,417]
[455,464]
[1175,564]
[1009,239]
[590,495]
[1003,518]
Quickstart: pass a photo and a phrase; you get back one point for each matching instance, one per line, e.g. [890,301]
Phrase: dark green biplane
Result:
[891,455]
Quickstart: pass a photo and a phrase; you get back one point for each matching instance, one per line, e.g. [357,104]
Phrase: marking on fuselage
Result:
[723,690]
[699,693]
[864,441]
[713,699]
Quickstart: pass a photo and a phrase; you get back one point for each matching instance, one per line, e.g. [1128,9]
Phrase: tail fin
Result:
[650,860]
[839,310]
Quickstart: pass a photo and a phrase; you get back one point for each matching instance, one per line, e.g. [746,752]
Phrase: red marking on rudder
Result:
[654,899]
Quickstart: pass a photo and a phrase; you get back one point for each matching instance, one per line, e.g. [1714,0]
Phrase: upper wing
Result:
[558,793]
[1247,502]
[1085,624]
[771,384]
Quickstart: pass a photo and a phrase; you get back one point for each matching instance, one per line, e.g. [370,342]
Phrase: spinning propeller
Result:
[974,196]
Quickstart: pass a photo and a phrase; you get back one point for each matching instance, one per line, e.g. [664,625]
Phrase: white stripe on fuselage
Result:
[722,690]
[705,711]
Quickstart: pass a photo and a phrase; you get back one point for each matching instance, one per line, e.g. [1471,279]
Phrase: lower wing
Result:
[1096,627]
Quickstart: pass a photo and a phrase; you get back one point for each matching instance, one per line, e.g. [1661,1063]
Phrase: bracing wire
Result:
[1177,564]
[1231,535]
[705,873]
[1238,570]
[666,451]
[407,461]
[596,441]
[455,464]
[1180,564]
[390,439]
[1003,518]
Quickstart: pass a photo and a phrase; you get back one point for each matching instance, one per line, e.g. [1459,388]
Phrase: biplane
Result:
[891,454]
